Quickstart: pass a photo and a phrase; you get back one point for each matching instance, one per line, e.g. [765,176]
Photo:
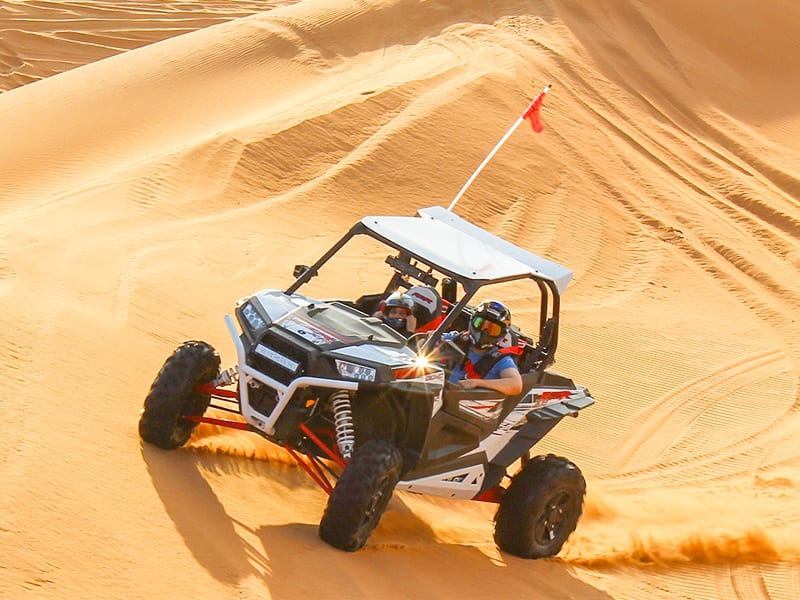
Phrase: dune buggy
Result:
[365,411]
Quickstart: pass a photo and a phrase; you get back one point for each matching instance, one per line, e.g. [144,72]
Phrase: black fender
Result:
[399,412]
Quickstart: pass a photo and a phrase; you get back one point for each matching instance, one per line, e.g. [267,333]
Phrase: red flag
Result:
[533,112]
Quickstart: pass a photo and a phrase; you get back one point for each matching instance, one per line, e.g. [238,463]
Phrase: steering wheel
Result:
[447,355]
[417,340]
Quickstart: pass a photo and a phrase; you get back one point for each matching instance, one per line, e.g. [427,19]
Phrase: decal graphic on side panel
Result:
[484,409]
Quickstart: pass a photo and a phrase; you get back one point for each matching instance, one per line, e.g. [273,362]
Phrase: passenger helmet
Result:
[489,323]
[399,299]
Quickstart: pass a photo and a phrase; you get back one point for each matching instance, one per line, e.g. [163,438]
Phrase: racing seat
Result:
[427,306]
[539,357]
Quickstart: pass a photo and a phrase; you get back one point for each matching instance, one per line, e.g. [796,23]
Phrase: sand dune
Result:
[161,159]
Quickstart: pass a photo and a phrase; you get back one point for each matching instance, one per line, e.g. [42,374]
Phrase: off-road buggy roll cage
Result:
[441,241]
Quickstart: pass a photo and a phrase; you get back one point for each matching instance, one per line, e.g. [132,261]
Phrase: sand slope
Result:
[144,187]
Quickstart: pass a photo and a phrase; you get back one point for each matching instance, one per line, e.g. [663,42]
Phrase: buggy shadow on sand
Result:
[365,411]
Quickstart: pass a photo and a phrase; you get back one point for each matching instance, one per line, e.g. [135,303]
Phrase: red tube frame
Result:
[309,463]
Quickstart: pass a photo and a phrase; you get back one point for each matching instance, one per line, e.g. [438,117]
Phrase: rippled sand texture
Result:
[160,160]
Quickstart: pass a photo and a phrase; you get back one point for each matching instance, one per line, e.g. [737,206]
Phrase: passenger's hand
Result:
[468,384]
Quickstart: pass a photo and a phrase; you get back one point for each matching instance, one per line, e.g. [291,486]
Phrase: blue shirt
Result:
[460,373]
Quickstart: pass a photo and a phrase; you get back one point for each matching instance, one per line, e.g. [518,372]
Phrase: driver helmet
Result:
[489,323]
[397,300]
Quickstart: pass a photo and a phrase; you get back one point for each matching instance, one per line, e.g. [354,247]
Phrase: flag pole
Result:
[537,102]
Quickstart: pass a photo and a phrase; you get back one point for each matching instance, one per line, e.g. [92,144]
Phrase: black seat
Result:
[539,357]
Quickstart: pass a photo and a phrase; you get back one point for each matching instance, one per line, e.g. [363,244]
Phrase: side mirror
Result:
[300,270]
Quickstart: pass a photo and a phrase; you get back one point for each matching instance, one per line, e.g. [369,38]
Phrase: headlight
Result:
[251,315]
[354,371]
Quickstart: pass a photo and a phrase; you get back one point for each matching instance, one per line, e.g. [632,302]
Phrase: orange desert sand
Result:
[159,160]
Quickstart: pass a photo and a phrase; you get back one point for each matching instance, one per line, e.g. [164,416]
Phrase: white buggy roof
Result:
[446,240]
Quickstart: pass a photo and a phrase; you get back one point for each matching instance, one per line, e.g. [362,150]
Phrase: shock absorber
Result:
[226,377]
[343,422]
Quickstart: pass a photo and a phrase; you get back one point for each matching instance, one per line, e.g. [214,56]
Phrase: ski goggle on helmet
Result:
[489,323]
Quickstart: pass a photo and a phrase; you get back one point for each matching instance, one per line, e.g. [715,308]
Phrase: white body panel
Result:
[466,482]
[458,483]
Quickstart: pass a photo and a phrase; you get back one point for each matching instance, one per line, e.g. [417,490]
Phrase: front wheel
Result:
[541,508]
[361,495]
[173,396]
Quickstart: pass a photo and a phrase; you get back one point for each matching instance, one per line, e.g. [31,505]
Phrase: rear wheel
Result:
[361,495]
[173,396]
[541,508]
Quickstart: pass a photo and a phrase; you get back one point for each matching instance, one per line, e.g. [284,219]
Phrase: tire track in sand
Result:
[677,411]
